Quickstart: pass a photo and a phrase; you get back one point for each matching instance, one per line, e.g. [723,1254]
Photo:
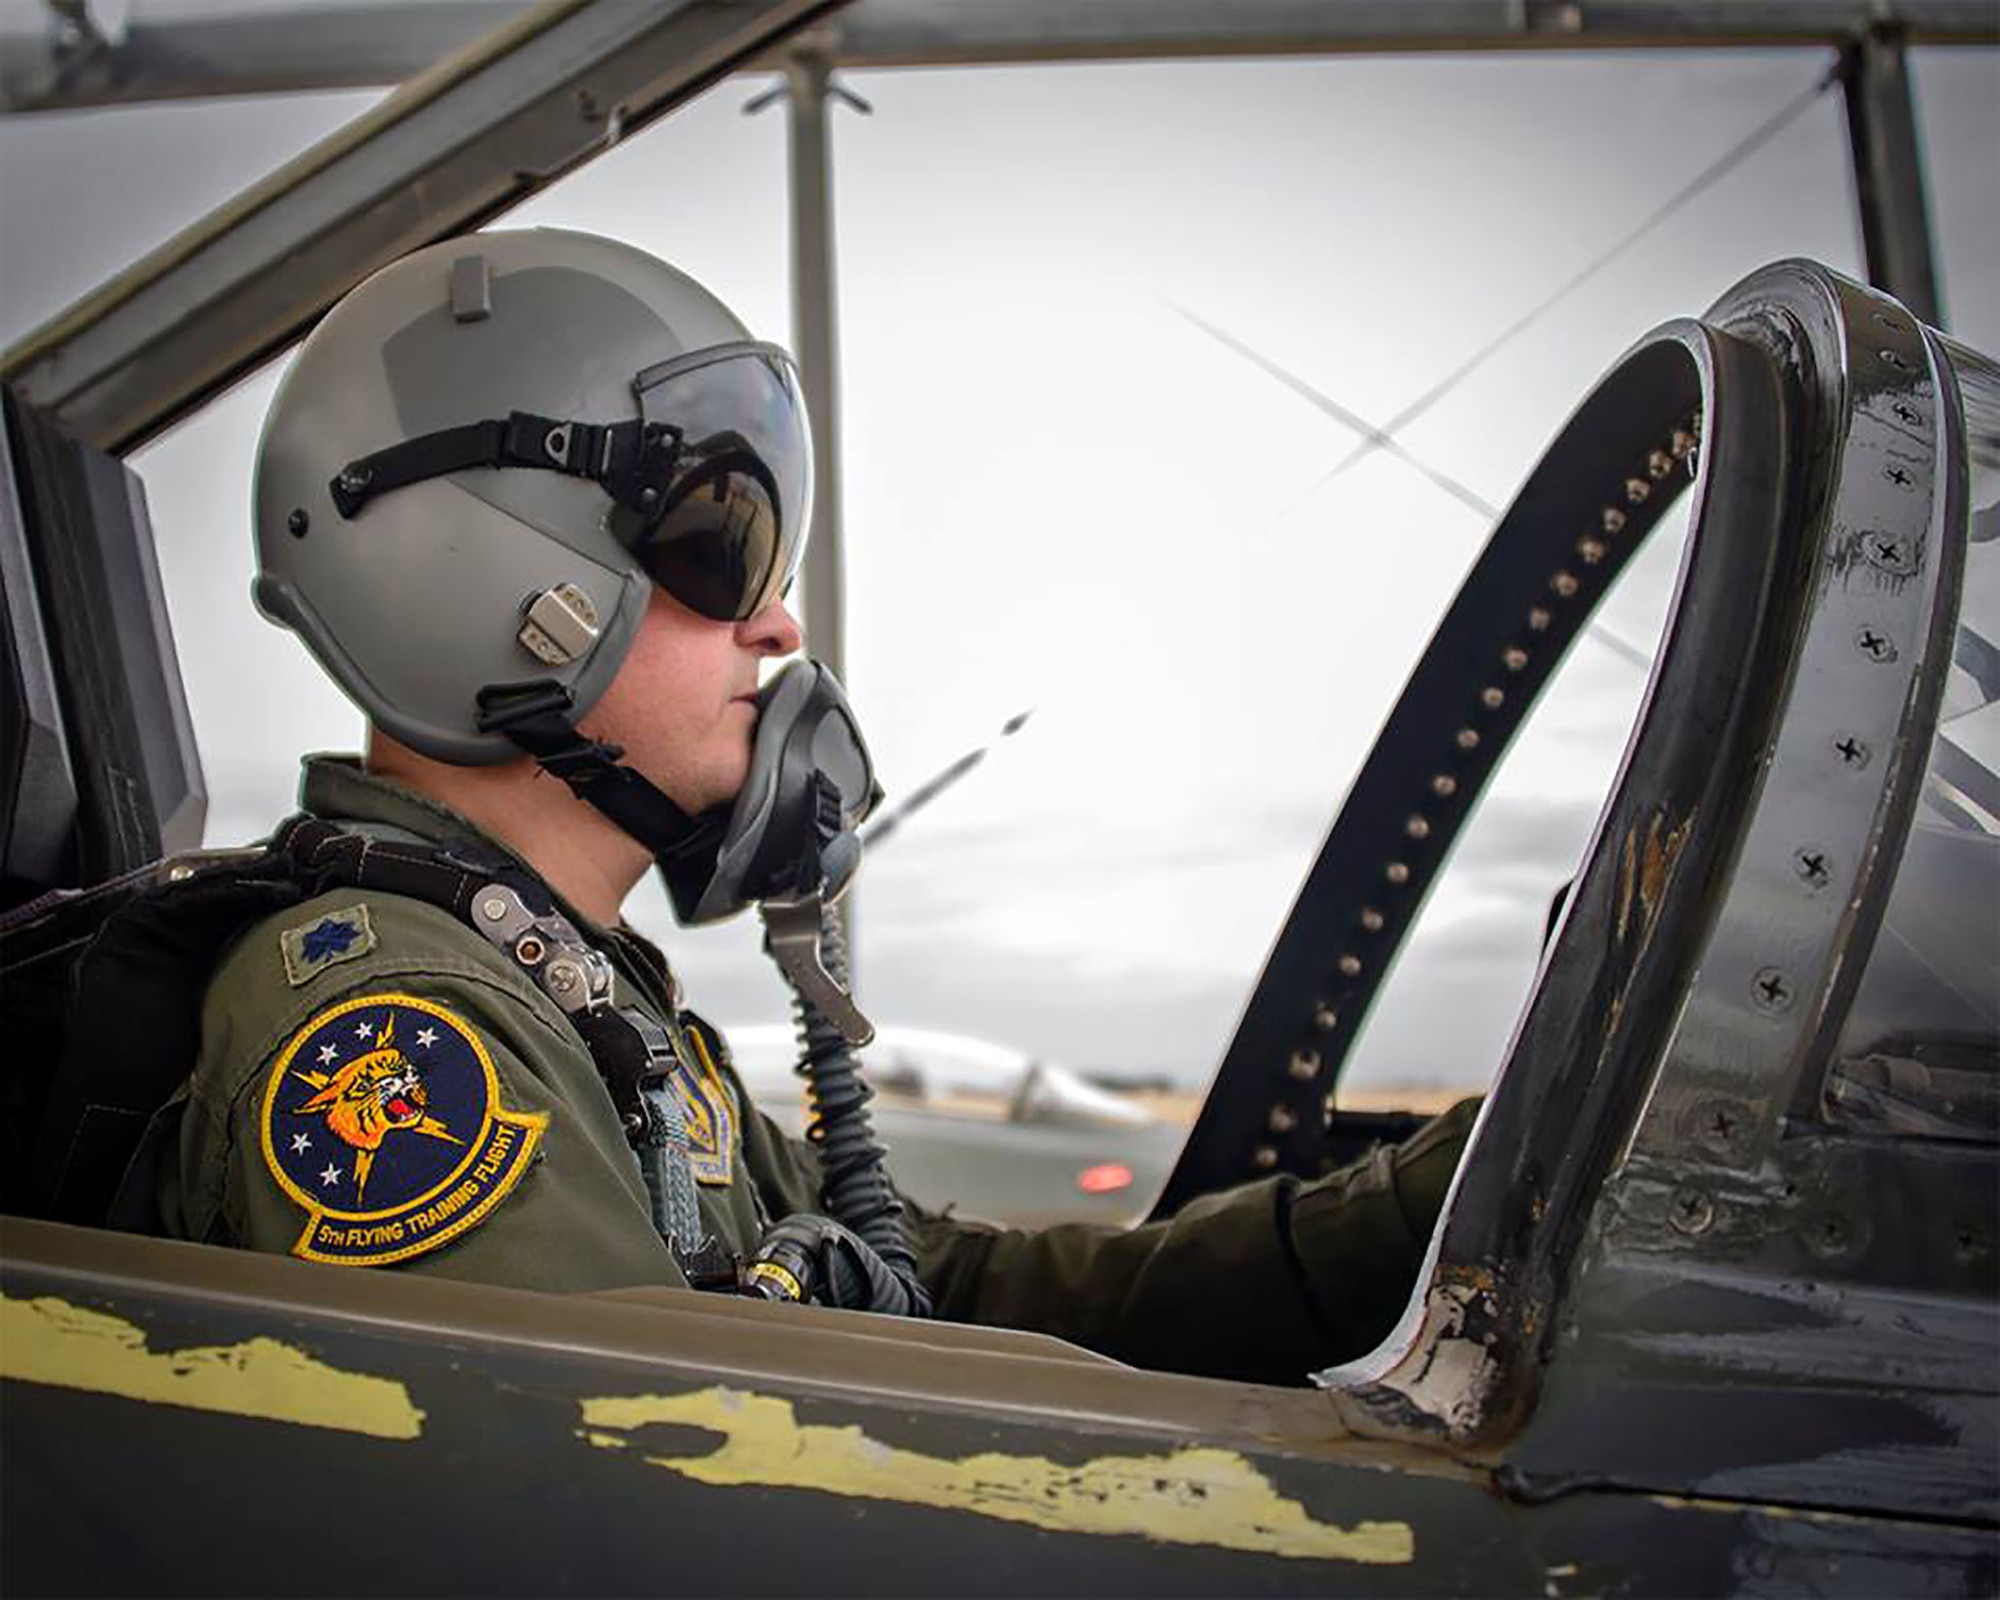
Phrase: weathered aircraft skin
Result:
[240,1424]
[1711,1308]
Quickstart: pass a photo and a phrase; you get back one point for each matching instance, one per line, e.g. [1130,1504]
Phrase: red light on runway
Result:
[1108,1178]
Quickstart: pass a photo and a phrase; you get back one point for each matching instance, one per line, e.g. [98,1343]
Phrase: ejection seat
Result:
[100,783]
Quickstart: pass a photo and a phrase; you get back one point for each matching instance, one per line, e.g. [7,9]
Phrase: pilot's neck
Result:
[575,848]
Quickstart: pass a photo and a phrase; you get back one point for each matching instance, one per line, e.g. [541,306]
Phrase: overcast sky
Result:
[1061,493]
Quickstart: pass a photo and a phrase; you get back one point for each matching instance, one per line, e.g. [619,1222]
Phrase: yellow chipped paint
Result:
[1194,1496]
[53,1342]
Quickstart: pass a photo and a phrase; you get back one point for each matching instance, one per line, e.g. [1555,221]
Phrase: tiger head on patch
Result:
[378,1093]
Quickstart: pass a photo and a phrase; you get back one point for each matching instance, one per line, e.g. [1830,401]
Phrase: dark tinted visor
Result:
[716,508]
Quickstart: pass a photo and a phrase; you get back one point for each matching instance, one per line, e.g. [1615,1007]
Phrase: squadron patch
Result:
[709,1111]
[312,947]
[383,1119]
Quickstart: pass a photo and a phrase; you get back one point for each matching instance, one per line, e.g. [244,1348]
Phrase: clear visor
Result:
[718,505]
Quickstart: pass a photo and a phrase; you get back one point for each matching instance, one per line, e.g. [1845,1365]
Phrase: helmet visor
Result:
[716,508]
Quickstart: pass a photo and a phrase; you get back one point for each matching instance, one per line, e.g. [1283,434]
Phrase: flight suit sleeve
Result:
[376,1087]
[1266,1282]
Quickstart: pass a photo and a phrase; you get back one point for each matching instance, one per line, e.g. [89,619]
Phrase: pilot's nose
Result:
[774,631]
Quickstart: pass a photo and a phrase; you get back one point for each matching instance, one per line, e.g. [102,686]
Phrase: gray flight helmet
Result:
[486,575]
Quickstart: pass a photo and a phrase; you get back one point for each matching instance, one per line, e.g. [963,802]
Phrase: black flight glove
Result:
[807,1257]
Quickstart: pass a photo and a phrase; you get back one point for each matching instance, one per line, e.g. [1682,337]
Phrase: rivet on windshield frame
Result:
[1466,739]
[1539,618]
[1417,828]
[1682,442]
[1514,658]
[1636,491]
[1564,584]
[1265,1159]
[1350,966]
[1876,645]
[1889,553]
[1283,1119]
[1770,990]
[1444,785]
[1659,464]
[1491,697]
[1592,551]
[1326,1019]
[298,522]
[1304,1065]
[1371,919]
[1828,1235]
[1396,872]
[1691,1211]
[1614,520]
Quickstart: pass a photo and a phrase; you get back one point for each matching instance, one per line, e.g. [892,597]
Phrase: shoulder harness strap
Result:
[634,1054]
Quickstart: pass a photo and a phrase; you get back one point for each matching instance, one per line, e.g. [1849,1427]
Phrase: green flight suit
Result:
[1304,1273]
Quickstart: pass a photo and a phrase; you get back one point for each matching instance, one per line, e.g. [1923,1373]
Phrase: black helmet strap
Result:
[537,716]
[604,452]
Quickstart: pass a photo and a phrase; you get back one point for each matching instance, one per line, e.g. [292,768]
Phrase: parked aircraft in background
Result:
[992,1132]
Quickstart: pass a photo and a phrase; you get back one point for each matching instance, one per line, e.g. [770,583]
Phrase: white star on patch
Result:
[329,1177]
[301,1143]
[326,1055]
[362,1031]
[427,1036]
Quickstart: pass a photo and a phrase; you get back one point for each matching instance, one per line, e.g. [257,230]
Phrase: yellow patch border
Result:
[532,1124]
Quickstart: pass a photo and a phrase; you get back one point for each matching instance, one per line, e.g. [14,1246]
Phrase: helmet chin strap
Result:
[788,842]
[537,717]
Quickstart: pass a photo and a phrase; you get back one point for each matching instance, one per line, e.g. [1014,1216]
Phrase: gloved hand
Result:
[807,1257]
[1361,1232]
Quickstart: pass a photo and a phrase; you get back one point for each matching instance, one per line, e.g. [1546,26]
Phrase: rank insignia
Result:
[383,1119]
[312,947]
[708,1109]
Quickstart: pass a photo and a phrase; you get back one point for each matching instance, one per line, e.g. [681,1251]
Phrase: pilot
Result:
[533,500]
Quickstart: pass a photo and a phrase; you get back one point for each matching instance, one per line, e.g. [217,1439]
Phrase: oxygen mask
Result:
[790,843]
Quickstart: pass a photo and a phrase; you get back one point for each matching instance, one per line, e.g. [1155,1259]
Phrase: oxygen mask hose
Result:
[791,848]
[854,1187]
